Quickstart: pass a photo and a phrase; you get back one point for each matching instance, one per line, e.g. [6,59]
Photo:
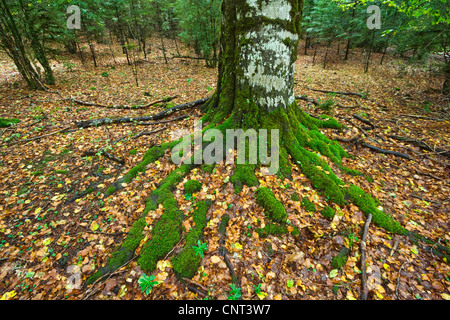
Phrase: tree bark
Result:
[258,52]
[446,86]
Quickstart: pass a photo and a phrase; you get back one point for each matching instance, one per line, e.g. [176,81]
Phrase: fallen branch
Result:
[305,98]
[105,154]
[145,106]
[395,153]
[40,137]
[148,133]
[184,116]
[364,120]
[337,92]
[421,145]
[363,258]
[421,117]
[158,116]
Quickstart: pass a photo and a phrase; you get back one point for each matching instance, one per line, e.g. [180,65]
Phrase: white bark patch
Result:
[268,65]
[280,9]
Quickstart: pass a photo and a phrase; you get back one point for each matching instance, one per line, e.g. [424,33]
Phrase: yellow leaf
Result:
[47,242]
[445,296]
[163,264]
[94,225]
[123,290]
[238,246]
[8,295]
[350,295]
[261,295]
[37,211]
[387,267]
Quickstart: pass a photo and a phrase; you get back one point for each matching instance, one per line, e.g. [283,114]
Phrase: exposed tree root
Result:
[104,153]
[302,145]
[395,153]
[158,116]
[422,145]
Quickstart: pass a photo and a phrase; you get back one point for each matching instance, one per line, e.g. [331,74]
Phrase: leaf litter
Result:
[49,245]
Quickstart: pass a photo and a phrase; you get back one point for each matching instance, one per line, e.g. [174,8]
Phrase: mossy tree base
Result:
[302,145]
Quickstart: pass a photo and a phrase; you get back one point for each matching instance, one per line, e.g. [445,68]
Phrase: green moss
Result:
[150,156]
[165,235]
[61,171]
[341,259]
[4,123]
[328,212]
[295,197]
[208,168]
[368,205]
[244,175]
[274,229]
[187,262]
[110,190]
[192,186]
[224,223]
[308,205]
[273,207]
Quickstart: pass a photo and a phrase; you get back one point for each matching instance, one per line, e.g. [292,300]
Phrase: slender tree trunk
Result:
[347,50]
[163,47]
[446,86]
[369,53]
[12,42]
[37,46]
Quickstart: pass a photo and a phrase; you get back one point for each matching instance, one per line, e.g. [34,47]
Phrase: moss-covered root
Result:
[167,231]
[187,262]
[150,156]
[5,123]
[369,205]
[170,222]
[340,260]
[244,175]
[192,186]
[272,206]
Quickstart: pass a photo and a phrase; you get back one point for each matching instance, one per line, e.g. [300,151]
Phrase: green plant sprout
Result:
[146,283]
[200,249]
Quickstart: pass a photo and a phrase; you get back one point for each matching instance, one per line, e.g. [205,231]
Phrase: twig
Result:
[90,291]
[105,154]
[398,281]
[363,258]
[148,133]
[305,98]
[184,116]
[40,137]
[421,117]
[364,120]
[196,284]
[337,92]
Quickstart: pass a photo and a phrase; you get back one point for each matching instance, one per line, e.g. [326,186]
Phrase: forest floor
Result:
[48,242]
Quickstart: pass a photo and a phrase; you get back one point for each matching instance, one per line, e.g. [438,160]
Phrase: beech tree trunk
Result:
[258,52]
